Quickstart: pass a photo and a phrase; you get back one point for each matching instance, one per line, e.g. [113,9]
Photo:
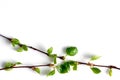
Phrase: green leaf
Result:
[8,65]
[15,42]
[50,50]
[110,72]
[55,59]
[25,48]
[75,66]
[18,63]
[71,51]
[95,70]
[94,58]
[63,68]
[54,56]
[20,49]
[51,73]
[36,70]
[73,63]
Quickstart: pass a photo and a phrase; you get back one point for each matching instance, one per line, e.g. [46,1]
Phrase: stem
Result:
[106,66]
[9,39]
[60,57]
[49,65]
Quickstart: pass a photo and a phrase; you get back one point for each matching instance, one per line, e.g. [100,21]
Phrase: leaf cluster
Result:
[20,47]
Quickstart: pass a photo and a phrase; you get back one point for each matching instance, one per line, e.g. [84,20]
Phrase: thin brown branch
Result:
[60,57]
[106,66]
[9,39]
[49,65]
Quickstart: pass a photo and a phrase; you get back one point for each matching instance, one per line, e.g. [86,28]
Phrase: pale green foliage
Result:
[110,72]
[20,49]
[94,57]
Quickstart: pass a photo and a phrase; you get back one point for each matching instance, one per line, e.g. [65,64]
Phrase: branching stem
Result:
[60,57]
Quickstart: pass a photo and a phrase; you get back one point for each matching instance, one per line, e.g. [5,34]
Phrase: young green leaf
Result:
[20,49]
[25,48]
[63,68]
[54,56]
[73,64]
[55,59]
[8,65]
[94,58]
[50,50]
[110,72]
[15,42]
[36,70]
[18,63]
[95,70]
[71,51]
[51,73]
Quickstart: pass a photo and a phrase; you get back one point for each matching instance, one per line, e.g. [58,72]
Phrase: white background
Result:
[91,25]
